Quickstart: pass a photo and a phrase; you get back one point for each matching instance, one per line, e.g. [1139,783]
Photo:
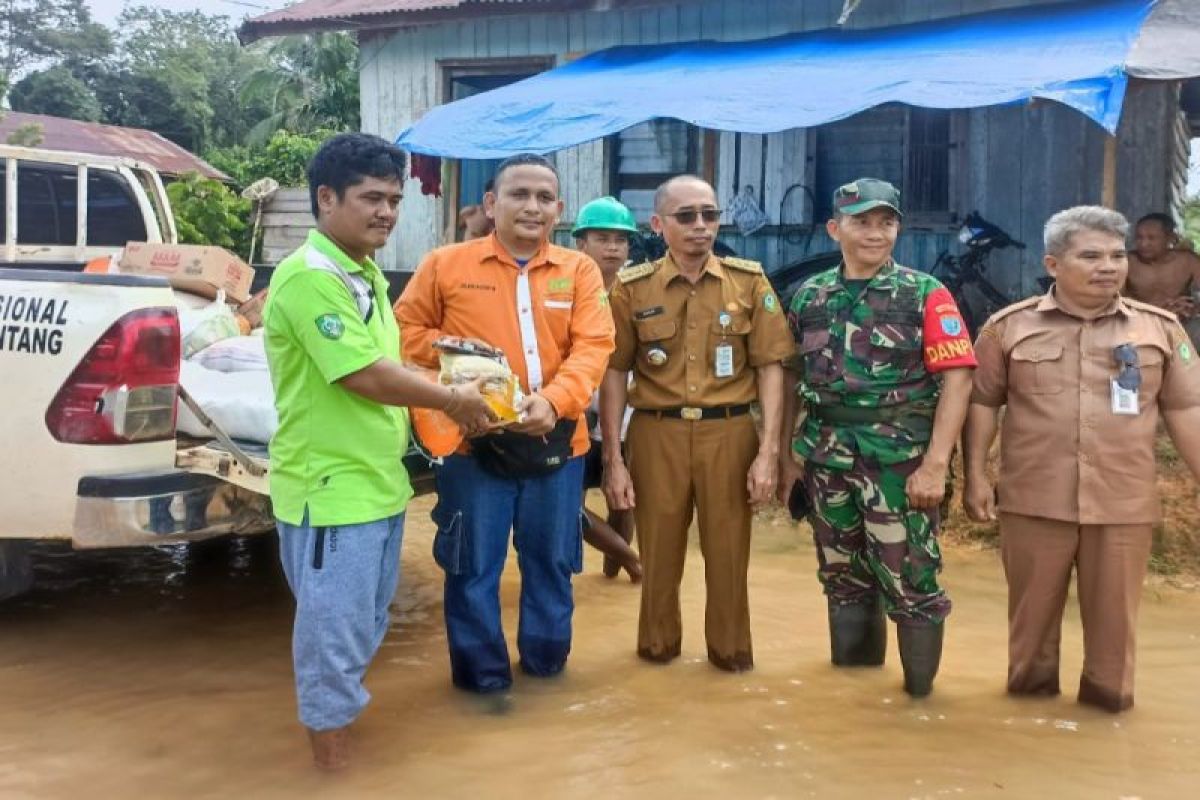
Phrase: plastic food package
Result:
[203,326]
[501,389]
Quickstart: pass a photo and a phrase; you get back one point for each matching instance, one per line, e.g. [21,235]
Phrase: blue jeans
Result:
[474,514]
[343,579]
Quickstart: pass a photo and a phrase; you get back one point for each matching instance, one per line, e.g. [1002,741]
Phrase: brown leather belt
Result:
[693,413]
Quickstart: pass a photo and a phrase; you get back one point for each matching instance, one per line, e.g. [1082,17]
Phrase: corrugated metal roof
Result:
[313,15]
[72,135]
[333,9]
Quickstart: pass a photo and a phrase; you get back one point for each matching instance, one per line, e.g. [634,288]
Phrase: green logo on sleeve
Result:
[1185,352]
[770,303]
[330,326]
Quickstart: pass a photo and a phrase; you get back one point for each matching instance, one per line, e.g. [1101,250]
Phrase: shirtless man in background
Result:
[1163,271]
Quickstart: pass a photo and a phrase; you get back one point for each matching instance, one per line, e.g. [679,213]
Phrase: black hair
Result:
[1166,220]
[346,159]
[523,160]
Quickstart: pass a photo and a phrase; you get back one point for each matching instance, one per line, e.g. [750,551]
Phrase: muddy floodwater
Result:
[168,675]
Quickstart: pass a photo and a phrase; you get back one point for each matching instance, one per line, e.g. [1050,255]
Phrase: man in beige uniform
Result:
[1084,374]
[704,337]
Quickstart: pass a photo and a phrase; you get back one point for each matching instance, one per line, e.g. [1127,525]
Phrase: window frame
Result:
[451,69]
[700,159]
[956,171]
[130,191]
[15,252]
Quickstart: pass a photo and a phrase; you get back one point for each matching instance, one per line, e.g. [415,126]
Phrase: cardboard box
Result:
[252,309]
[199,269]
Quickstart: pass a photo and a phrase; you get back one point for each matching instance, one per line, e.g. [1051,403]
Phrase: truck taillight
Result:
[124,388]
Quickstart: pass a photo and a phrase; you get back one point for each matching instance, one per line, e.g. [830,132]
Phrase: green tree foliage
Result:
[209,212]
[179,74]
[1191,221]
[307,83]
[34,32]
[57,92]
[284,158]
[29,135]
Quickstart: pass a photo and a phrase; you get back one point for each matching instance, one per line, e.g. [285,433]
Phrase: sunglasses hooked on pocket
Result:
[1130,376]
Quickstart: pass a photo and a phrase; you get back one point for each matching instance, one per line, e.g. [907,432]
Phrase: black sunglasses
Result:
[689,216]
[1130,377]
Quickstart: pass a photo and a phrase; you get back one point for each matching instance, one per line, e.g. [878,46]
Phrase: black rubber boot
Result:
[857,634]
[920,653]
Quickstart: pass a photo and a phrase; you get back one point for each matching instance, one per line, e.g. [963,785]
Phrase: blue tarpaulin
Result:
[1073,54]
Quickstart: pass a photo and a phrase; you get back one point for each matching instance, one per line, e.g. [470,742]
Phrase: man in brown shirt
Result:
[1163,271]
[1084,374]
[704,337]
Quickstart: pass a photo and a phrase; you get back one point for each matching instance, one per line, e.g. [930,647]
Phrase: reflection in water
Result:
[167,674]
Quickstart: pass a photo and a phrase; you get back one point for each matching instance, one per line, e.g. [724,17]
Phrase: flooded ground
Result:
[167,675]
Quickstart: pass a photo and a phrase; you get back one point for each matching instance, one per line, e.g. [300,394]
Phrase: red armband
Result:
[946,338]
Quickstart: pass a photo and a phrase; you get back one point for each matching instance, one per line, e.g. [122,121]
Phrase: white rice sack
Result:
[237,354]
[241,403]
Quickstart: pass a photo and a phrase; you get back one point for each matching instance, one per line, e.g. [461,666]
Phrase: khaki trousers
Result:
[1110,561]
[679,467]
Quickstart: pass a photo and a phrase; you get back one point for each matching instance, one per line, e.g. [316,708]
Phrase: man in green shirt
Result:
[338,484]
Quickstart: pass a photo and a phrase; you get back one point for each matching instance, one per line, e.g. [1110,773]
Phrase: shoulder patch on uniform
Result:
[331,326]
[1028,302]
[1149,309]
[636,272]
[744,264]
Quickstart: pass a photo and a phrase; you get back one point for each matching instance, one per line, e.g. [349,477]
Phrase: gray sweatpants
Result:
[343,579]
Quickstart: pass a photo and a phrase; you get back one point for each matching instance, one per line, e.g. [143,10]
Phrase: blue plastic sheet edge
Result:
[1072,54]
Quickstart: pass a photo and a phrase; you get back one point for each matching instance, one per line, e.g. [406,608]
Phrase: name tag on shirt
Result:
[723,365]
[1124,401]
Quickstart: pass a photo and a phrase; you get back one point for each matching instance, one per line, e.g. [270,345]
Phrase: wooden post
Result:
[1108,188]
[708,161]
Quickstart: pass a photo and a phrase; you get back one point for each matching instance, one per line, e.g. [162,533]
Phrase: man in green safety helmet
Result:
[602,231]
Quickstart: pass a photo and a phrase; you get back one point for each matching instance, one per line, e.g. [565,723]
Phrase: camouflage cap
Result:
[864,194]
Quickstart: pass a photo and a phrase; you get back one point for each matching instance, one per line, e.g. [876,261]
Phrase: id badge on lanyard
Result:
[1124,401]
[723,356]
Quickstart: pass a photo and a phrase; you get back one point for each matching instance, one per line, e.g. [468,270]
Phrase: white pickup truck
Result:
[90,368]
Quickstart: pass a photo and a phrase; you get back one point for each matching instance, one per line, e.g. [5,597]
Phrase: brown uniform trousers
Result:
[682,466]
[1077,481]
[1038,556]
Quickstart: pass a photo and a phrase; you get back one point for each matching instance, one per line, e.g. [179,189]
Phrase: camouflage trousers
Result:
[869,541]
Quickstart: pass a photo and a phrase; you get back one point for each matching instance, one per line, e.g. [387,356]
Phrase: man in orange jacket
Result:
[546,308]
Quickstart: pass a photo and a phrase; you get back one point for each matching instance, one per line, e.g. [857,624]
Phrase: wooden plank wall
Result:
[1053,151]
[287,218]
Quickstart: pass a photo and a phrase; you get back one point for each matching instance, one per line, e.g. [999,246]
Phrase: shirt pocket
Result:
[1151,359]
[894,345]
[735,334]
[1037,368]
[655,333]
[814,356]
[557,310]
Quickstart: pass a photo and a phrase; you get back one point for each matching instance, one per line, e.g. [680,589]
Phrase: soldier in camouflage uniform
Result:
[884,373]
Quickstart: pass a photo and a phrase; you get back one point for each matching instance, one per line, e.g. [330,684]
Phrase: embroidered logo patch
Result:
[1185,352]
[770,303]
[951,326]
[603,298]
[330,326]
